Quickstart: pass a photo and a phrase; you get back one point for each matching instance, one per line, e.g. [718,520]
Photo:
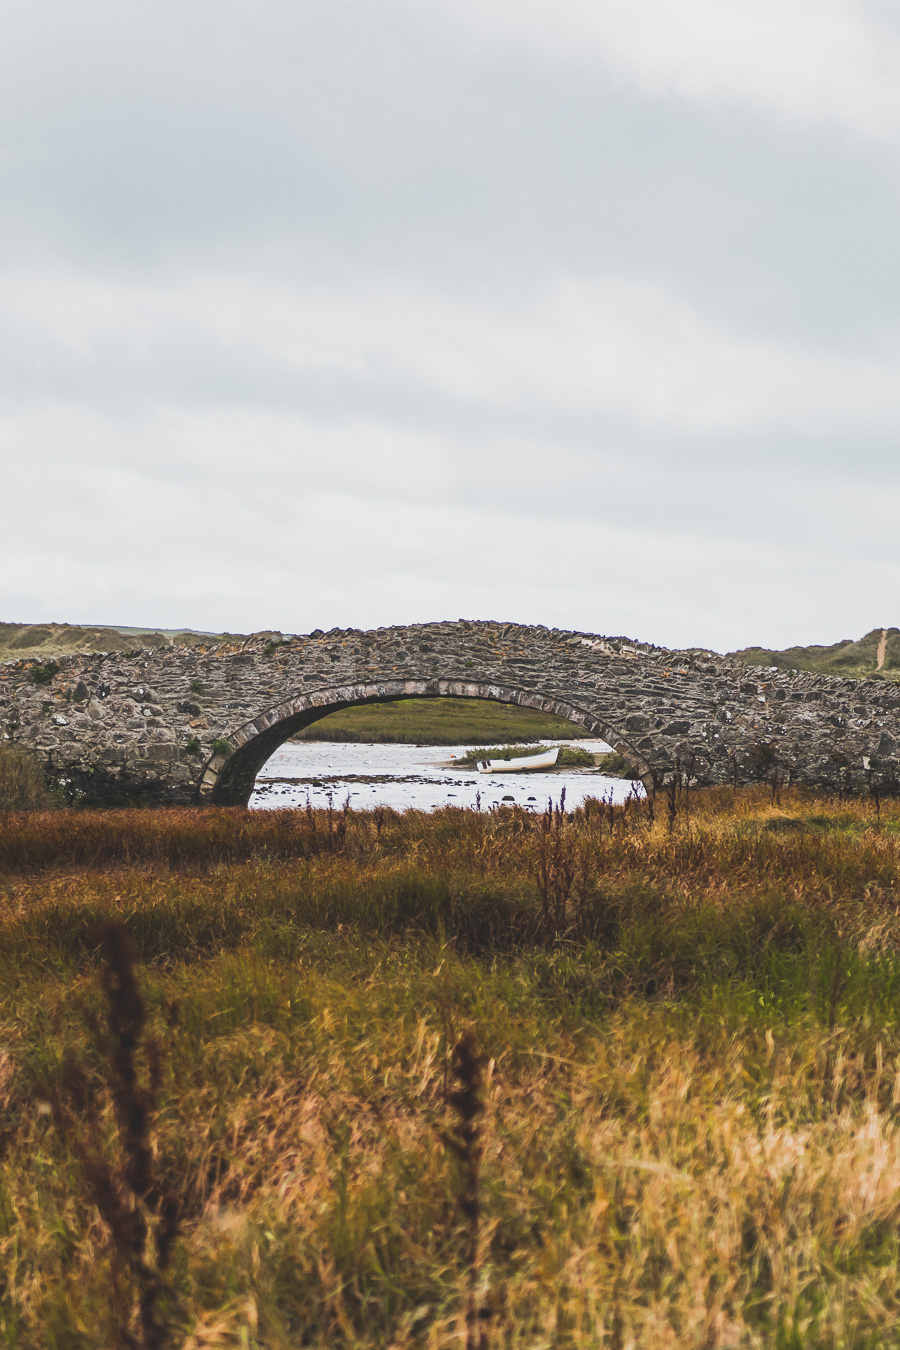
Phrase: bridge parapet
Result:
[179,725]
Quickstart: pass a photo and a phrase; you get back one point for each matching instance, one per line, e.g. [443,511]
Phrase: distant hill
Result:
[857,659]
[19,640]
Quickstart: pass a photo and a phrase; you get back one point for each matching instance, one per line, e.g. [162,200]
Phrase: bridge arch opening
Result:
[229,777]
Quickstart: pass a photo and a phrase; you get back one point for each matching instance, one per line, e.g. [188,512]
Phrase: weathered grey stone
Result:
[661,709]
[162,752]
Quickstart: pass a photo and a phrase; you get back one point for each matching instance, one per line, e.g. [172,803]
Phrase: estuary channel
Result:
[417,776]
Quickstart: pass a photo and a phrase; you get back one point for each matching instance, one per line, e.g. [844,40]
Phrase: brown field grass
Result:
[691,1040]
[22,783]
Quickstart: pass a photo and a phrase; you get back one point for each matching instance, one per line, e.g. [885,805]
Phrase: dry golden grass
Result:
[692,1126]
[22,783]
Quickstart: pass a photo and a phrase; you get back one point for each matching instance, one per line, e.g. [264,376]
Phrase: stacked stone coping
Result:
[195,724]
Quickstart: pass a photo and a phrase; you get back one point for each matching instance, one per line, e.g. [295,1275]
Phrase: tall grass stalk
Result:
[141,1216]
[464,1141]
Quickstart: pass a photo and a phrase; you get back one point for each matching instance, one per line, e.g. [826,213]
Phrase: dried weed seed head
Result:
[464,1141]
[126,1016]
[142,1219]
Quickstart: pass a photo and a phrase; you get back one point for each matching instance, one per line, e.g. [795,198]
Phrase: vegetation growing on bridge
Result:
[690,1017]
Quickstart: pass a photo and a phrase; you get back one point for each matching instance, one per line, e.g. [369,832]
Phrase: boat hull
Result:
[524,764]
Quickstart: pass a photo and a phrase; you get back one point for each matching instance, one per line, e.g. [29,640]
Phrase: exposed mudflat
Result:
[410,776]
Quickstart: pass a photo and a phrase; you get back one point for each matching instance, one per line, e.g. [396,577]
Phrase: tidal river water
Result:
[403,776]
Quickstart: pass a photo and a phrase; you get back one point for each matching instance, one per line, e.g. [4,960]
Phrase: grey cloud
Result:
[319,133]
[334,292]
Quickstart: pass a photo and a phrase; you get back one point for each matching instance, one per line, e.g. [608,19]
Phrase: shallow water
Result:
[404,776]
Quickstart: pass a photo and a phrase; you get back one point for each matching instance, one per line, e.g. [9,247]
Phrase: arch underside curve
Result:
[228,780]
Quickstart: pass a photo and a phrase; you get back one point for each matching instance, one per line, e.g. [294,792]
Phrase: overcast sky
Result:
[355,312]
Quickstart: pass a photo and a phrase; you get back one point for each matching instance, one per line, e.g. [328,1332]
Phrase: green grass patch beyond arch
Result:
[441,721]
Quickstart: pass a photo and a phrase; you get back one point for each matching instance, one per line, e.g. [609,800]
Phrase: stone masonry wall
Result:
[181,725]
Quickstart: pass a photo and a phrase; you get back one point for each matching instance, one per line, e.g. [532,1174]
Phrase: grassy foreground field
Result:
[691,1032]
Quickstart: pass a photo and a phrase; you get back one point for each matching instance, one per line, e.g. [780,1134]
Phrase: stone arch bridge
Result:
[195,724]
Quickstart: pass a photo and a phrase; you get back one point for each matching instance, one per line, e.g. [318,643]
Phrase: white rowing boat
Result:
[520,765]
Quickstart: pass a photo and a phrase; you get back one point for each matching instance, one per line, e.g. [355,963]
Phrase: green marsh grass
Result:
[691,1072]
[570,756]
[440,721]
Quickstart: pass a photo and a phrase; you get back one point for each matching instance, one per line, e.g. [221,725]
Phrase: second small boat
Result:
[521,765]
